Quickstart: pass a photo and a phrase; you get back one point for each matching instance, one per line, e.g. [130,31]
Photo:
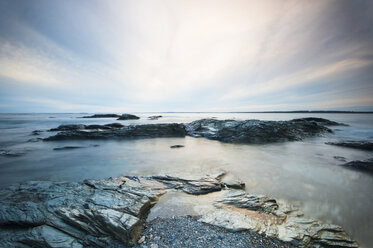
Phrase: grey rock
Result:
[239,211]
[67,148]
[340,158]
[256,131]
[36,132]
[70,127]
[126,132]
[177,146]
[362,145]
[320,121]
[363,165]
[154,117]
[102,116]
[128,117]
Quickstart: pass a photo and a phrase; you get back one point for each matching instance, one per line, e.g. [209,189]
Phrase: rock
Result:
[11,153]
[176,146]
[63,214]
[102,116]
[256,131]
[126,132]
[320,121]
[340,158]
[154,117]
[34,139]
[240,211]
[128,117]
[108,213]
[70,127]
[231,181]
[36,132]
[67,148]
[194,184]
[365,165]
[362,145]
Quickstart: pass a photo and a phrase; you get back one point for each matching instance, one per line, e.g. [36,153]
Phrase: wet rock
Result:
[231,181]
[126,132]
[63,214]
[340,158]
[102,116]
[36,132]
[240,212]
[67,148]
[363,165]
[11,153]
[362,145]
[193,184]
[70,127]
[34,139]
[256,131]
[177,146]
[154,117]
[128,117]
[320,121]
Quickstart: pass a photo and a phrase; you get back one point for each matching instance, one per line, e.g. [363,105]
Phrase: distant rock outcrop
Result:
[128,117]
[256,131]
[102,116]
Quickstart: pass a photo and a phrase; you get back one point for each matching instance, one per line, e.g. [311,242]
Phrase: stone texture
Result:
[256,131]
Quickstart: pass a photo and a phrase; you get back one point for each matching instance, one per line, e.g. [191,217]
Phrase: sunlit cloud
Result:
[184,55]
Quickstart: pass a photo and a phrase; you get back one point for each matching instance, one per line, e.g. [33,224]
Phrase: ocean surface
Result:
[303,172]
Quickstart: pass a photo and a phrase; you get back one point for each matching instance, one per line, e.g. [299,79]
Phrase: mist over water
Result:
[303,172]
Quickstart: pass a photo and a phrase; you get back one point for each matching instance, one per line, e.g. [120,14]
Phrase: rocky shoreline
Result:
[112,212]
[230,131]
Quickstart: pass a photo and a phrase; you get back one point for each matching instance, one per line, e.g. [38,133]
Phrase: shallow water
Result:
[303,172]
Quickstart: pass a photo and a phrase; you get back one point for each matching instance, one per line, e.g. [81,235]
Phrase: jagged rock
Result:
[177,146]
[108,212]
[362,145]
[320,121]
[116,132]
[154,117]
[364,165]
[256,131]
[128,117]
[240,211]
[195,184]
[62,214]
[102,116]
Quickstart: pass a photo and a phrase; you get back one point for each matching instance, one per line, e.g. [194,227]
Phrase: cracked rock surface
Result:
[111,212]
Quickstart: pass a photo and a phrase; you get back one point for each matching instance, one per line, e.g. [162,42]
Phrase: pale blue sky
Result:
[138,56]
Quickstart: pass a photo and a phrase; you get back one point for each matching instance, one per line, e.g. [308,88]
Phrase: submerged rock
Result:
[177,146]
[256,131]
[102,116]
[340,158]
[115,131]
[36,132]
[67,148]
[363,165]
[128,117]
[362,145]
[154,117]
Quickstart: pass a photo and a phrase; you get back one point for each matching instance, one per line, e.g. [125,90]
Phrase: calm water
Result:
[304,172]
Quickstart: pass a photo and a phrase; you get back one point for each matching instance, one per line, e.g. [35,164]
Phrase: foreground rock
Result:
[102,116]
[256,131]
[115,131]
[362,145]
[364,165]
[239,211]
[110,213]
[128,117]
[94,213]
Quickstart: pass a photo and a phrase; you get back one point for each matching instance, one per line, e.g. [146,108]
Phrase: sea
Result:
[305,173]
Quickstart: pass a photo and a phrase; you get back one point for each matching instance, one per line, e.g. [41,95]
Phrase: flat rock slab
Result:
[361,145]
[238,211]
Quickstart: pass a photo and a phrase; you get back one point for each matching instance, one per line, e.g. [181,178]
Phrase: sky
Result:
[194,55]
